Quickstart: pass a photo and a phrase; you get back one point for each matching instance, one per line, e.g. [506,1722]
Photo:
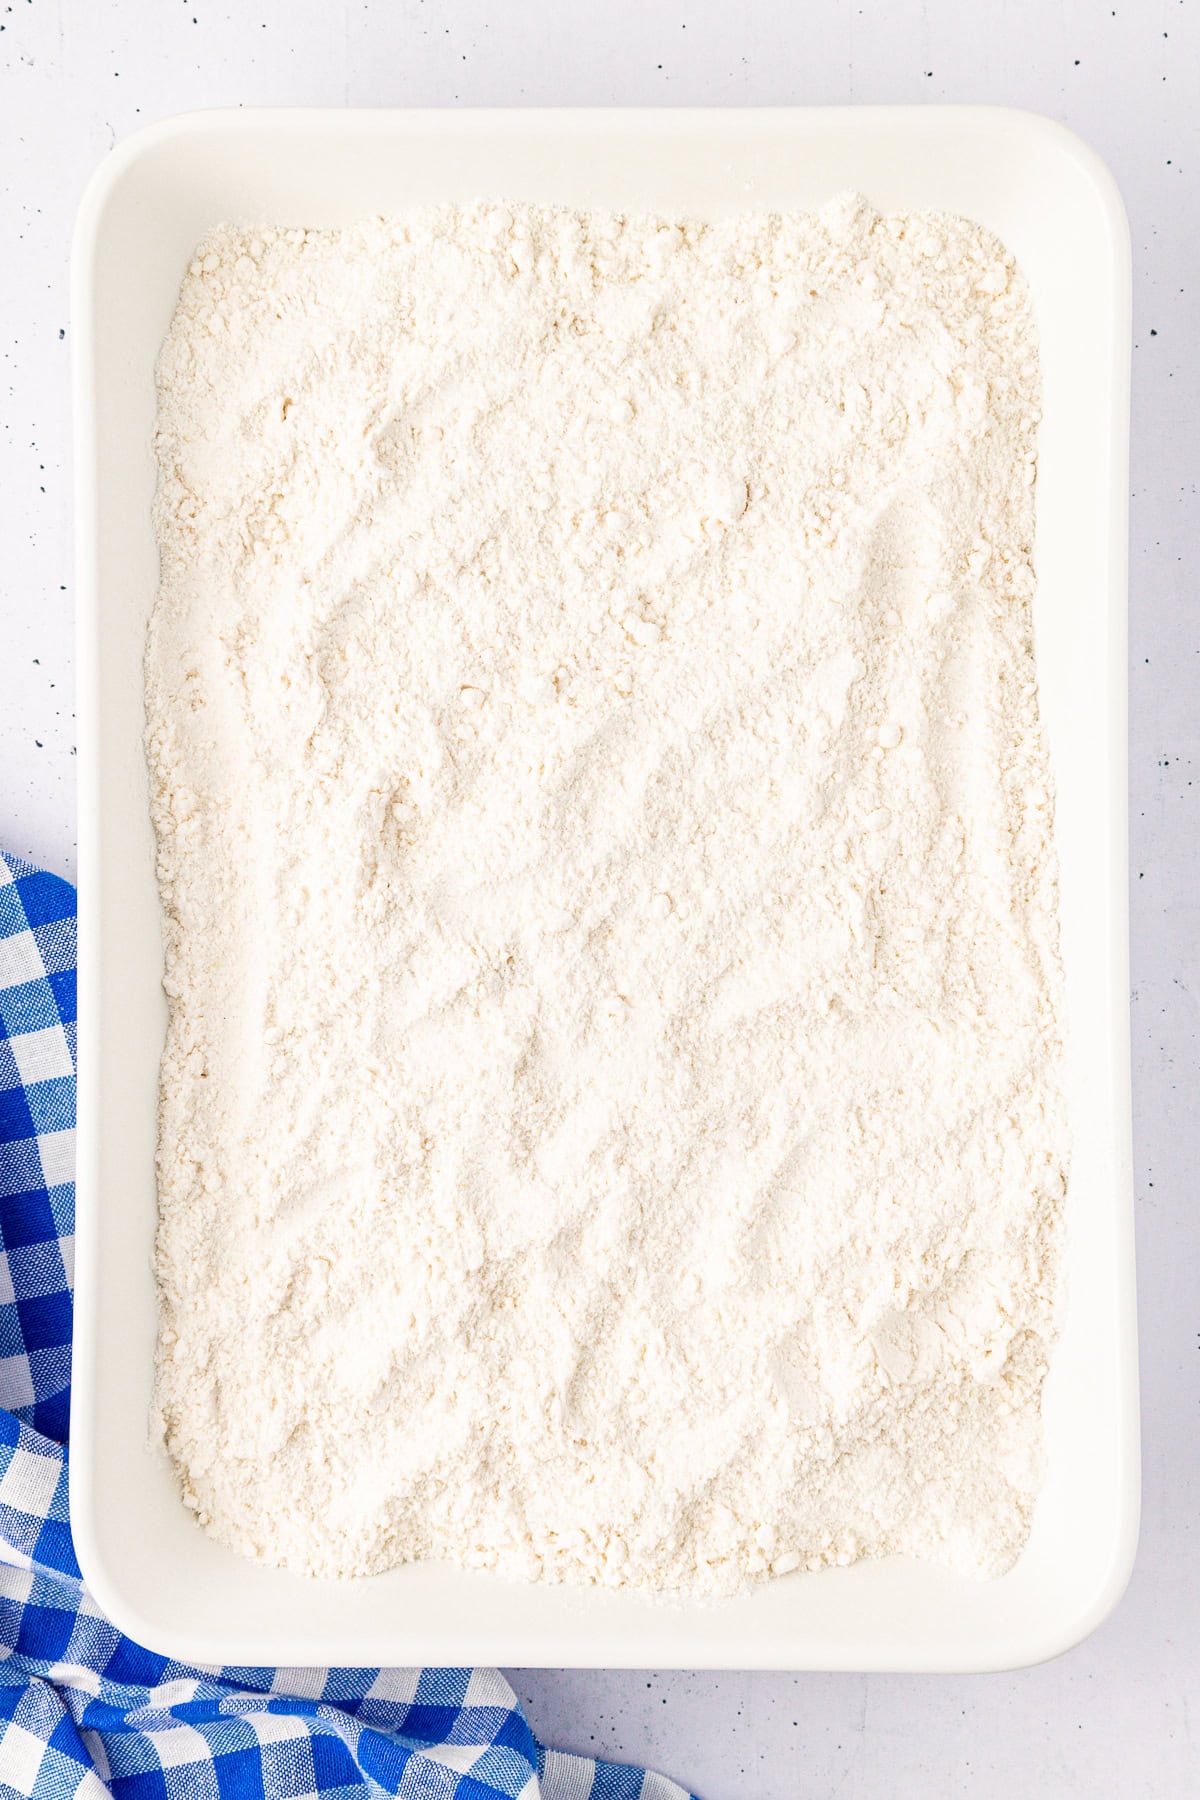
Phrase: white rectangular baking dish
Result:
[146,1560]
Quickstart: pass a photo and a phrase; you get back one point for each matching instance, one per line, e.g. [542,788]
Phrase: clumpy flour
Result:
[611,1125]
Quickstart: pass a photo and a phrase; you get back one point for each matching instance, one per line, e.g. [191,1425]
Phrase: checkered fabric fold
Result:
[84,1712]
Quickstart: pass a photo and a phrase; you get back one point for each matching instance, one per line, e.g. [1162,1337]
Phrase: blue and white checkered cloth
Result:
[84,1712]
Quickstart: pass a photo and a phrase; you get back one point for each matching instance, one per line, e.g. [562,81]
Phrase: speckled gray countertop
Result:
[1112,1717]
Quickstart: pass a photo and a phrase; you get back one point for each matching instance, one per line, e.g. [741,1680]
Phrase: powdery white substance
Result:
[611,1120]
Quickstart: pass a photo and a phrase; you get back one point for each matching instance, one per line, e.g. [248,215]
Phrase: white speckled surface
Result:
[1111,1718]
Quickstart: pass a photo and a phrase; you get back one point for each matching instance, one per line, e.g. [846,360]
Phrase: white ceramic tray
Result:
[146,1560]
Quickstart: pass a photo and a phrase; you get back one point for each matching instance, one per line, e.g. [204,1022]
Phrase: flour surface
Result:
[611,1122]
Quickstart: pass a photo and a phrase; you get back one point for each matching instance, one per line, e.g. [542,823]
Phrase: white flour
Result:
[611,1117]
